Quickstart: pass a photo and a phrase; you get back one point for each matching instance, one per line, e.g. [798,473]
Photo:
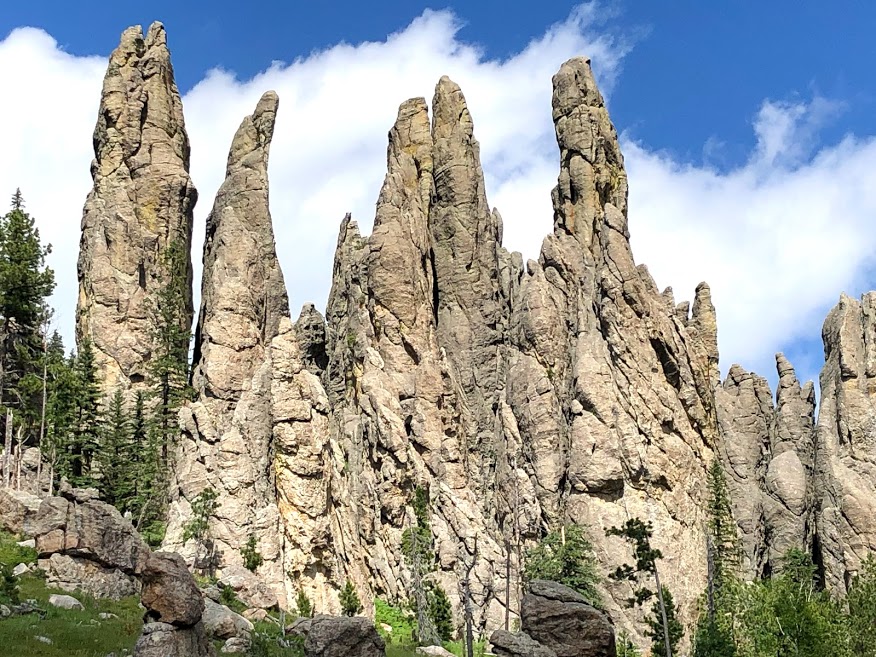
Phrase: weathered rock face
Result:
[845,456]
[141,202]
[77,574]
[227,442]
[517,397]
[767,452]
[572,391]
[103,547]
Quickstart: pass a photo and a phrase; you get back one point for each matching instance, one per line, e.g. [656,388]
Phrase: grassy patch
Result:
[73,633]
[13,554]
[402,625]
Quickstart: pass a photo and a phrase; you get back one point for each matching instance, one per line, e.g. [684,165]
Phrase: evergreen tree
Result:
[25,285]
[252,558]
[655,625]
[566,556]
[171,334]
[169,388]
[303,605]
[862,610]
[60,409]
[85,438]
[350,603]
[204,506]
[722,529]
[638,534]
[116,470]
[440,611]
[625,647]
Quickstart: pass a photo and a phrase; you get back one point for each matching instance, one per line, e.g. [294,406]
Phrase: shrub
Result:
[565,557]
[303,604]
[350,603]
[252,558]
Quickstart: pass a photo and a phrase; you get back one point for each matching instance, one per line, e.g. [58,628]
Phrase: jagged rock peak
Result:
[592,167]
[227,431]
[243,294]
[845,473]
[141,202]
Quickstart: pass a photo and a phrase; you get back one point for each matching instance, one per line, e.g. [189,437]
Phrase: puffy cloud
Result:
[777,238]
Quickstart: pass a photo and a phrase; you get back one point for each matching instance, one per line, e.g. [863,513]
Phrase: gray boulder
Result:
[170,593]
[508,644]
[65,602]
[165,640]
[222,623]
[16,509]
[561,619]
[339,636]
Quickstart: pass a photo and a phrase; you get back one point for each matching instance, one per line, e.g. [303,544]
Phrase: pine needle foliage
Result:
[566,556]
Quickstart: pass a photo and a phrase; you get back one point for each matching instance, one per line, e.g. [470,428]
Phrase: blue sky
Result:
[697,69]
[748,130]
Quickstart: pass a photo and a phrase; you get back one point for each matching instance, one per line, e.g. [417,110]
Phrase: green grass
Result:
[74,633]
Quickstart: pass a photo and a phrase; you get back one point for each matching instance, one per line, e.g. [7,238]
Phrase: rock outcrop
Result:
[227,441]
[141,203]
[569,391]
[555,620]
[174,607]
[768,453]
[338,636]
[845,451]
[514,397]
[86,545]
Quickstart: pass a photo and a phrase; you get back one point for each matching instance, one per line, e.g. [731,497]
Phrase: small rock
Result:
[43,639]
[29,543]
[5,612]
[255,614]
[104,615]
[386,628]
[65,601]
[20,569]
[434,651]
[236,644]
[222,623]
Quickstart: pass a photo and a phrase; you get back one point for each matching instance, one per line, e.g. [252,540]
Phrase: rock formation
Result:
[557,621]
[515,397]
[174,607]
[227,441]
[141,202]
[338,636]
[845,449]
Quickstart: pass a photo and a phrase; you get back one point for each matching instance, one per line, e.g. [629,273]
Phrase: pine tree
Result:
[114,465]
[171,335]
[350,603]
[862,610]
[60,409]
[440,611]
[655,625]
[85,439]
[638,534]
[566,556]
[303,605]
[722,528]
[25,285]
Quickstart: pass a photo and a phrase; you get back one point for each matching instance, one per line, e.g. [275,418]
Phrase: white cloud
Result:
[777,238]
